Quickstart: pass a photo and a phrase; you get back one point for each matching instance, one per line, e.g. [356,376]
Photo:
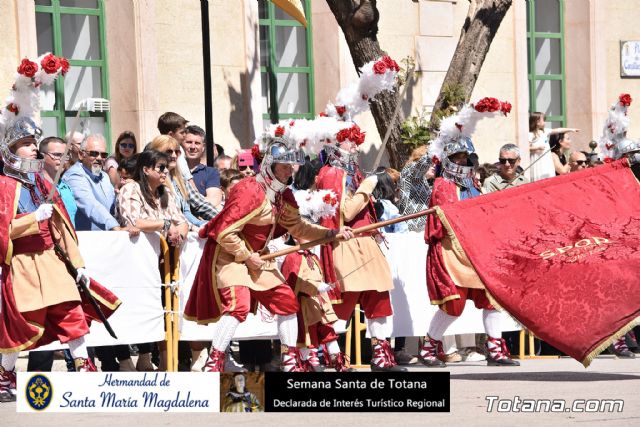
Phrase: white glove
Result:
[324,287]
[82,275]
[44,211]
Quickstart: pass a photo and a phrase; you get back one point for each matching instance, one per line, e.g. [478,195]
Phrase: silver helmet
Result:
[626,147]
[342,159]
[279,150]
[462,175]
[24,128]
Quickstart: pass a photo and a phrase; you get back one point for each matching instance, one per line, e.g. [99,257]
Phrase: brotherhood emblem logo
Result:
[39,392]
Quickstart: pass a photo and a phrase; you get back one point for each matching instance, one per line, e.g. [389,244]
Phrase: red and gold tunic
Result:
[447,265]
[33,276]
[303,274]
[345,258]
[245,224]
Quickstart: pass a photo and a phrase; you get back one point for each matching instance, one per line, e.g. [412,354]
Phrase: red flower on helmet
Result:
[505,108]
[357,136]
[64,66]
[379,67]
[487,105]
[341,109]
[255,152]
[13,108]
[353,134]
[625,99]
[28,68]
[279,131]
[390,63]
[50,64]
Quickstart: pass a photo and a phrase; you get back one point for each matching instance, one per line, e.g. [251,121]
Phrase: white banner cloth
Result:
[129,268]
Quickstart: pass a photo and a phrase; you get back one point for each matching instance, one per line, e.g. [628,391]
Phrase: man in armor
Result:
[341,261]
[35,312]
[451,279]
[232,278]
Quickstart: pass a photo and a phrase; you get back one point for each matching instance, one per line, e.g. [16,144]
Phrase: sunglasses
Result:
[170,152]
[512,162]
[243,168]
[56,156]
[162,168]
[129,145]
[582,162]
[93,153]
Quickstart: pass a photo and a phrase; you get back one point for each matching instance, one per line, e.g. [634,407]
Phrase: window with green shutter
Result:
[74,29]
[545,49]
[286,64]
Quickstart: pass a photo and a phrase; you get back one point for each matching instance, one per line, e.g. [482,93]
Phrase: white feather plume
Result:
[316,205]
[614,129]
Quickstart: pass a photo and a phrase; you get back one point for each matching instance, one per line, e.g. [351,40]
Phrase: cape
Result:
[560,255]
[16,334]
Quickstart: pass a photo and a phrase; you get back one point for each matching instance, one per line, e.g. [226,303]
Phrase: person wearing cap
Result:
[245,163]
[451,280]
[343,261]
[232,278]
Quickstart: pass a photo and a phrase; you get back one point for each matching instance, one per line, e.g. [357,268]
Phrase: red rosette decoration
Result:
[255,152]
[50,64]
[279,131]
[322,114]
[625,99]
[329,199]
[13,108]
[341,109]
[435,160]
[505,108]
[28,68]
[390,63]
[343,135]
[379,67]
[356,135]
[353,134]
[487,105]
[64,66]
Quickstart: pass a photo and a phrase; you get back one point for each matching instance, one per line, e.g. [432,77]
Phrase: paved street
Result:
[607,378]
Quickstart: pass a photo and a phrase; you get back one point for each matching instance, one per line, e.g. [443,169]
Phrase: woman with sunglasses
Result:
[147,203]
[195,207]
[126,147]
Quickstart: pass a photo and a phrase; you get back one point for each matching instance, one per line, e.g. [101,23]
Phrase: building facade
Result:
[561,57]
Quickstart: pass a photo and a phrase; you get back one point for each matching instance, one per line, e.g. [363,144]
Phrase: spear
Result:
[356,231]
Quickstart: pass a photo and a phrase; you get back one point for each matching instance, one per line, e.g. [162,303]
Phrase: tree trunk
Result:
[479,29]
[359,22]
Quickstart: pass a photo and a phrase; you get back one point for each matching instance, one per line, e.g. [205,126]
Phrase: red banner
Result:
[561,255]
